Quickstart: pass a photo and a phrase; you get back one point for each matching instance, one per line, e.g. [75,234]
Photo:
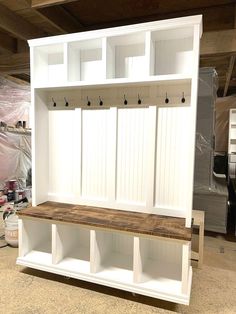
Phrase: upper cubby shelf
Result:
[49,65]
[86,60]
[172,51]
[122,54]
[126,56]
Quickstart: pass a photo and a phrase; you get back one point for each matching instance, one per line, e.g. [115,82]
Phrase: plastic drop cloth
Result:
[205,180]
[15,148]
[210,189]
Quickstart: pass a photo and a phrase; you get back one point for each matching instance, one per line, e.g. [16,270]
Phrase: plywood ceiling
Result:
[25,19]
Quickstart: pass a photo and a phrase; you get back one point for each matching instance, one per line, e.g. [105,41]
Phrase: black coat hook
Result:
[54,103]
[66,102]
[100,101]
[139,100]
[88,102]
[125,101]
[167,99]
[183,98]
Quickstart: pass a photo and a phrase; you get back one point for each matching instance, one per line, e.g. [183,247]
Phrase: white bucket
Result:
[11,230]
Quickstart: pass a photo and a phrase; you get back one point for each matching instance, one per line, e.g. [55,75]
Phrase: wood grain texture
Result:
[138,223]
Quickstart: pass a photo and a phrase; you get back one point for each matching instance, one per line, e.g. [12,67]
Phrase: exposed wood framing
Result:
[15,63]
[229,74]
[17,80]
[7,44]
[61,19]
[22,46]
[45,3]
[219,42]
[17,26]
[235,16]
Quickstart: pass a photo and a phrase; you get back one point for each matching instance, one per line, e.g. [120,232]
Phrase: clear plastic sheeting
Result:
[204,179]
[15,157]
[14,102]
[203,145]
[223,105]
[15,147]
[210,188]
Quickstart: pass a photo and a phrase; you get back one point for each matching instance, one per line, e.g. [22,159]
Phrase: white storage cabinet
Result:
[114,114]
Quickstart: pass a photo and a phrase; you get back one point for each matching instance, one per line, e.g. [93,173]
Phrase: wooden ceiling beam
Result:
[219,42]
[61,19]
[17,26]
[229,74]
[15,63]
[45,3]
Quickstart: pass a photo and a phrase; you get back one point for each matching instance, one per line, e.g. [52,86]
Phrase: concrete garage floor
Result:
[28,291]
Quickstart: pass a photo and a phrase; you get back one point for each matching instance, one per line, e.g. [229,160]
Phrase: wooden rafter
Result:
[229,74]
[21,80]
[219,42]
[61,19]
[15,63]
[45,3]
[235,16]
[17,26]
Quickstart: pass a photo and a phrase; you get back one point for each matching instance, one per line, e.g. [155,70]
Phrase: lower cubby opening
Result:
[37,241]
[113,254]
[72,248]
[160,265]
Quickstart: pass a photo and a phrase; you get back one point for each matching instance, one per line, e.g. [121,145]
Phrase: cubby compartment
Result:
[49,64]
[158,265]
[86,60]
[36,241]
[71,249]
[126,56]
[112,256]
[172,51]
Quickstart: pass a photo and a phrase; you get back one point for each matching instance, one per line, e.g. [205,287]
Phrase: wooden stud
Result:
[229,74]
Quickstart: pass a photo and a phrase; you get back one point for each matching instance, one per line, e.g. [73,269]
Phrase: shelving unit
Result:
[232,132]
[114,128]
[141,253]
[232,144]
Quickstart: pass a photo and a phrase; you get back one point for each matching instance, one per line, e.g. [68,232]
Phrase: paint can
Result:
[11,230]
[10,195]
[12,185]
[19,194]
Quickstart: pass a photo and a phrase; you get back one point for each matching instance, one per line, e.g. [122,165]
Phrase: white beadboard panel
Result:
[95,138]
[172,158]
[61,142]
[132,129]
[161,251]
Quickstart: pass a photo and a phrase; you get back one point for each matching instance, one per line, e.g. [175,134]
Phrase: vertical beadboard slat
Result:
[173,142]
[95,154]
[131,150]
[111,162]
[61,143]
[150,157]
[77,154]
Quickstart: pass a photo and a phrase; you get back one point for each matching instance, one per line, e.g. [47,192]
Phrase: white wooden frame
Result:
[134,157]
